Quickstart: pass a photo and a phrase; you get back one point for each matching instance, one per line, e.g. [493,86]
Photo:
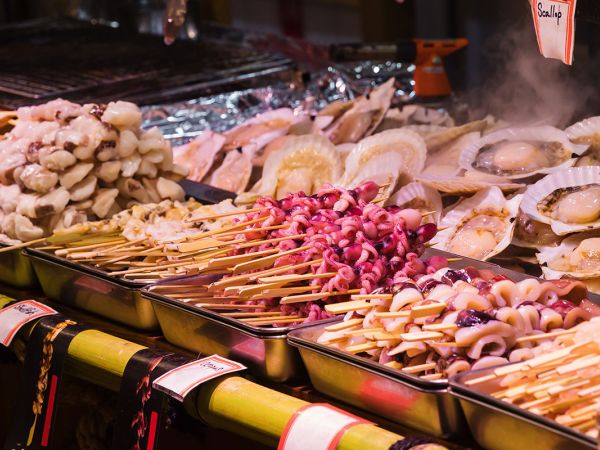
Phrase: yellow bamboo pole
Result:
[232,403]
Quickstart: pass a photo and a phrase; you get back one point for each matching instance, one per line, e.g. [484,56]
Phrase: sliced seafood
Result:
[233,175]
[568,201]
[304,163]
[418,196]
[384,157]
[479,227]
[198,155]
[364,116]
[521,152]
[577,256]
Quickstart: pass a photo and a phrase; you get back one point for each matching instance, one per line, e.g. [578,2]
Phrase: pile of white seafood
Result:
[64,164]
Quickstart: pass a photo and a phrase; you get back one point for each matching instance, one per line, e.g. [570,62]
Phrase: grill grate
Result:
[85,62]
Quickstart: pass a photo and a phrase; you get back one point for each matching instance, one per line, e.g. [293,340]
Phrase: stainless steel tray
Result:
[16,269]
[92,290]
[265,352]
[398,397]
[499,425]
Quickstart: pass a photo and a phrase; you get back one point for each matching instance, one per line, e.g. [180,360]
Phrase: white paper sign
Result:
[13,317]
[318,426]
[555,28]
[181,380]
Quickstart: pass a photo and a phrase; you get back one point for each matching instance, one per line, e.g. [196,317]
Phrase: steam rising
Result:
[527,89]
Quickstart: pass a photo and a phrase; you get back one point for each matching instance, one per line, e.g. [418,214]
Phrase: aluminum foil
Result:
[182,121]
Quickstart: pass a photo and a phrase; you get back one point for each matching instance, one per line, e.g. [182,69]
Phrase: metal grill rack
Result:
[42,60]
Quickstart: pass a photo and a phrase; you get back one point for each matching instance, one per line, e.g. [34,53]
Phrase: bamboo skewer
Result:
[227,214]
[313,297]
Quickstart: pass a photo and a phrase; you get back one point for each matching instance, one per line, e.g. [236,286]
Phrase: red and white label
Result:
[317,426]
[180,381]
[554,22]
[13,317]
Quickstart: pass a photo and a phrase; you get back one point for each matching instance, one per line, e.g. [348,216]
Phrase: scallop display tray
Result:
[401,398]
[92,290]
[16,269]
[498,425]
[265,351]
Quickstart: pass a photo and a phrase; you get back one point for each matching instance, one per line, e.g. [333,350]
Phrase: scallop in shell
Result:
[384,157]
[587,132]
[304,163]
[521,152]
[479,227]
[418,196]
[577,256]
[568,201]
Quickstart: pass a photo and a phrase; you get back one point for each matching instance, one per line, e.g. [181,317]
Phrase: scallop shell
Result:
[545,133]
[461,185]
[437,137]
[489,202]
[313,155]
[444,162]
[385,155]
[560,261]
[565,179]
[418,196]
[586,131]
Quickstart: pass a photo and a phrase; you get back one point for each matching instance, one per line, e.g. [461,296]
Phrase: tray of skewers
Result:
[279,265]
[400,346]
[550,400]
[100,266]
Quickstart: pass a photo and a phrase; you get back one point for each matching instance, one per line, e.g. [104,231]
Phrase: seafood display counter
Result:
[432,274]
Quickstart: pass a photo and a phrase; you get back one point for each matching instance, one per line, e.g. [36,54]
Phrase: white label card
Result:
[555,28]
[318,426]
[13,317]
[181,380]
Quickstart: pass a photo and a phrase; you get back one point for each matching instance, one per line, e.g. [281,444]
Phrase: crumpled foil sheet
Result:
[182,121]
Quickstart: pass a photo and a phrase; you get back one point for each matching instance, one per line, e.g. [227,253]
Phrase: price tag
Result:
[13,317]
[317,426]
[181,380]
[554,22]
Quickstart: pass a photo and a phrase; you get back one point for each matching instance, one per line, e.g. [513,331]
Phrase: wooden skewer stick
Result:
[190,240]
[254,230]
[239,315]
[228,261]
[433,376]
[260,319]
[344,325]
[550,335]
[344,307]
[283,269]
[312,297]
[269,241]
[431,309]
[364,331]
[265,261]
[372,297]
[21,245]
[393,314]
[440,327]
[227,214]
[394,365]
[228,306]
[419,368]
[418,336]
[294,278]
[428,213]
[359,348]
[284,291]
[274,320]
[64,251]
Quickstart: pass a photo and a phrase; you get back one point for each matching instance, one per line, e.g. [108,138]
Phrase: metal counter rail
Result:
[230,403]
